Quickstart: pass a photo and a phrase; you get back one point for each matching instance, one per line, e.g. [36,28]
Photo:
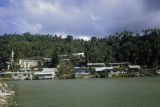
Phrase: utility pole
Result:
[12,59]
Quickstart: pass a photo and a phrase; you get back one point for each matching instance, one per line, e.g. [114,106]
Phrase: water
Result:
[122,92]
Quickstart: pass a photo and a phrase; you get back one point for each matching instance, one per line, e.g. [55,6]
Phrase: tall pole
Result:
[12,59]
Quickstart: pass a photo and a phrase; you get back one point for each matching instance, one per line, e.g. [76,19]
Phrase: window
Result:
[24,74]
[15,74]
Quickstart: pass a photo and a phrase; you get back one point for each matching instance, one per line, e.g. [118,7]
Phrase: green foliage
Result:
[102,75]
[69,38]
[55,57]
[138,48]
[65,70]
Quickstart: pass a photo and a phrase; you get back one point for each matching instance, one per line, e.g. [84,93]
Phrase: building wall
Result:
[21,76]
[28,63]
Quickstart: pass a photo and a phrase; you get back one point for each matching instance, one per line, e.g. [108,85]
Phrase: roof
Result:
[43,73]
[46,71]
[134,66]
[20,72]
[78,54]
[5,73]
[95,64]
[103,68]
[75,54]
[49,70]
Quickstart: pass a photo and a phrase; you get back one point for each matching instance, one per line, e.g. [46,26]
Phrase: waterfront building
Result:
[103,71]
[115,72]
[82,72]
[22,74]
[46,73]
[99,69]
[134,69]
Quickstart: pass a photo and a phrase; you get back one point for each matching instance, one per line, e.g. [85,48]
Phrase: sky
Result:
[80,18]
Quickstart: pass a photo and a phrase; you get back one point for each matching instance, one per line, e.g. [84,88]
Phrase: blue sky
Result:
[81,18]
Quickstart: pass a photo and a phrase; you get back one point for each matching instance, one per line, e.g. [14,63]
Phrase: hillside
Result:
[143,48]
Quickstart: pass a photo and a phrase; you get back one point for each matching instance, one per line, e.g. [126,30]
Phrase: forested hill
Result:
[143,48]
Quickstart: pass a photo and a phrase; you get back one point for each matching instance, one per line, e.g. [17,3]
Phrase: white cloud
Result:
[76,17]
[22,26]
[40,7]
[86,38]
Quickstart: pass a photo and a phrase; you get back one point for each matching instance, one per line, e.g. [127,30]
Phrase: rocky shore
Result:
[6,96]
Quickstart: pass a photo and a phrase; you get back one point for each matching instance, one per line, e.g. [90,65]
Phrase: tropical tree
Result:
[65,70]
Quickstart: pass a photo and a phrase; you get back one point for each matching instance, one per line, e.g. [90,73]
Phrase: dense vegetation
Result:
[65,70]
[138,48]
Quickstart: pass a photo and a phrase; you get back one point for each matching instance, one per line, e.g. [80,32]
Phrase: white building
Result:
[47,73]
[27,64]
[22,74]
[134,67]
[82,72]
[106,70]
[99,69]
[78,54]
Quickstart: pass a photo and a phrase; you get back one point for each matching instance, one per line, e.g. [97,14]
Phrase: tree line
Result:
[138,48]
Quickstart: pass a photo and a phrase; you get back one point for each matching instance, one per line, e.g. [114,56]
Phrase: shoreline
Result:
[115,77]
[6,95]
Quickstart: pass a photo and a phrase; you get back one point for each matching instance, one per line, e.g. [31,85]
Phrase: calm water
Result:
[123,92]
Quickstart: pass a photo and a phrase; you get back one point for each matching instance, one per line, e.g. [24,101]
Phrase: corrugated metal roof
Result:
[95,63]
[134,66]
[49,70]
[103,68]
